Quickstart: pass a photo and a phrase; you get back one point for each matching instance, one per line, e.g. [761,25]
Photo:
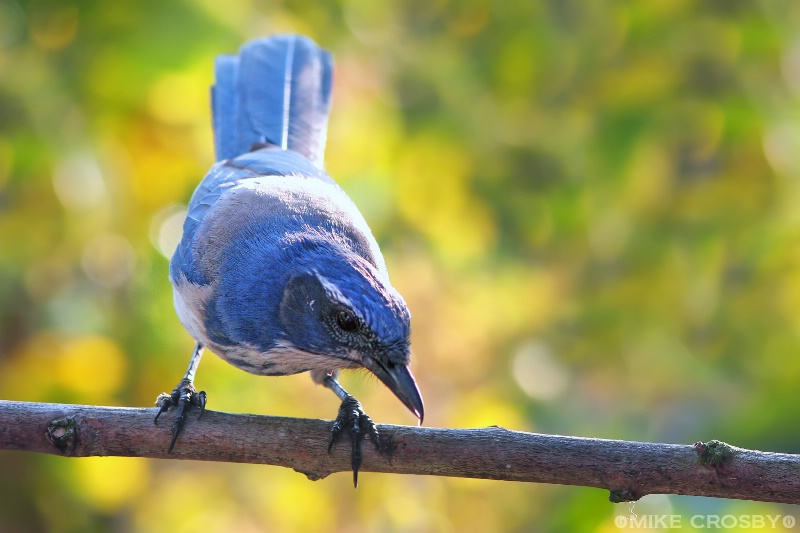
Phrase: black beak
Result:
[401,382]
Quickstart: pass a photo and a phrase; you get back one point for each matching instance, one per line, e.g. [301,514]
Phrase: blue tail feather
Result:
[276,91]
[224,106]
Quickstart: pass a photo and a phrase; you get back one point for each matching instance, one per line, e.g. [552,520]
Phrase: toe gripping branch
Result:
[185,397]
[353,418]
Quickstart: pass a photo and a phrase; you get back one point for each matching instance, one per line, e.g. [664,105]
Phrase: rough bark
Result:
[629,470]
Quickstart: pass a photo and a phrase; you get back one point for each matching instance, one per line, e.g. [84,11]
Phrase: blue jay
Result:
[277,272]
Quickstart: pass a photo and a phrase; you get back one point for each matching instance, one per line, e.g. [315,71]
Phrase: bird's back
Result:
[270,108]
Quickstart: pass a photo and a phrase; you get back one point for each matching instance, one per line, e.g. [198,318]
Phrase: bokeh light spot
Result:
[108,260]
[110,482]
[178,98]
[92,366]
[166,228]
[78,182]
[538,372]
[782,148]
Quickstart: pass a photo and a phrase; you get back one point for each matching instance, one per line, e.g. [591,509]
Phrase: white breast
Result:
[190,304]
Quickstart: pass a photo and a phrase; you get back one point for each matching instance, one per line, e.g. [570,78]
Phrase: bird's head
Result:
[347,310]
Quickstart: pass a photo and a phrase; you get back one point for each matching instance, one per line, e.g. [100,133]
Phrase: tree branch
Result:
[629,470]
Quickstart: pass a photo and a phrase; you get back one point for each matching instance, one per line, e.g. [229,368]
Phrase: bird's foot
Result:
[353,418]
[184,397]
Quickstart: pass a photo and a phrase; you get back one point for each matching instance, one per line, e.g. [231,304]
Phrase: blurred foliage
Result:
[591,208]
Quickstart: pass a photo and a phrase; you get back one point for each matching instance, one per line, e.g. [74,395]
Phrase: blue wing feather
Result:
[228,174]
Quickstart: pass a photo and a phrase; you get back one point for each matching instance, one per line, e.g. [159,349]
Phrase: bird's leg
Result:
[184,396]
[352,416]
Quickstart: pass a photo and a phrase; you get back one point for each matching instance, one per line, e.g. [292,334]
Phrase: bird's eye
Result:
[346,320]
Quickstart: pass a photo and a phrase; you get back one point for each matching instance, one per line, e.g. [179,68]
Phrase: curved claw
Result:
[185,397]
[351,415]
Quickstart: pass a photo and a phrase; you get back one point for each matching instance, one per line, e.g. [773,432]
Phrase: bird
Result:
[277,271]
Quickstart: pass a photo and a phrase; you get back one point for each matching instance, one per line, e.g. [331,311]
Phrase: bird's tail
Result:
[275,91]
